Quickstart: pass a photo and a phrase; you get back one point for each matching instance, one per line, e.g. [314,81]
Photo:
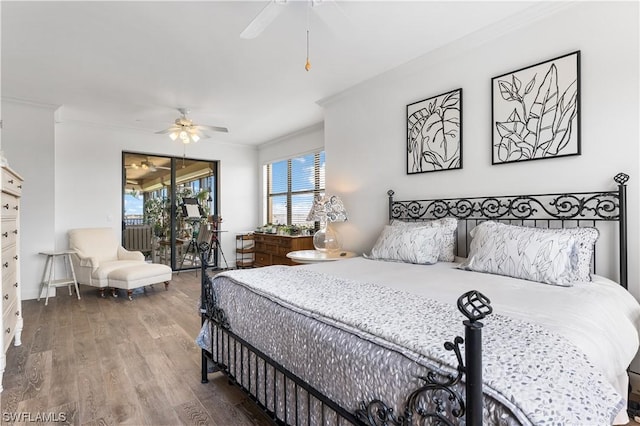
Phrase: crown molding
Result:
[300,132]
[460,46]
[120,127]
[31,103]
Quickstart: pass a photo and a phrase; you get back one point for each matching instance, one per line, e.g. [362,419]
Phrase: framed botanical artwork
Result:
[434,133]
[536,111]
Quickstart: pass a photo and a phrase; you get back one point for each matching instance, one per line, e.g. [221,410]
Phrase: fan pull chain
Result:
[307,66]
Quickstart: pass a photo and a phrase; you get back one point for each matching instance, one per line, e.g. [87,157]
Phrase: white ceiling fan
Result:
[187,131]
[146,165]
[271,11]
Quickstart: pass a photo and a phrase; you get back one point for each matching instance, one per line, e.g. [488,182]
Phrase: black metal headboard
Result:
[540,210]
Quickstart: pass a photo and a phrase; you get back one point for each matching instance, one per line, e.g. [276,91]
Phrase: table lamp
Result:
[326,210]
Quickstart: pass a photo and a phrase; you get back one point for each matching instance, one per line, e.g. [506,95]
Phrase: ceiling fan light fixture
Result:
[187,131]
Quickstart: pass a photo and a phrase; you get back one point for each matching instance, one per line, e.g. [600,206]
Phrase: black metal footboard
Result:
[289,399]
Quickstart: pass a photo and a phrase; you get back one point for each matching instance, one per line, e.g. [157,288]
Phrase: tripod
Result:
[194,243]
[214,243]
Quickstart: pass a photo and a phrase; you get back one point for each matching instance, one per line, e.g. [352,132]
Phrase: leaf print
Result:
[441,133]
[530,85]
[568,111]
[509,267]
[514,116]
[543,110]
[507,153]
[516,83]
[433,138]
[514,146]
[450,101]
[506,90]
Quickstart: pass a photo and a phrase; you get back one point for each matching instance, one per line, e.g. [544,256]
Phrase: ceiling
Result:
[132,64]
[149,173]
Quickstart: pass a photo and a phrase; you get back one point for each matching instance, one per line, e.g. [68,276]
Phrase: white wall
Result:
[89,178]
[29,148]
[73,178]
[365,127]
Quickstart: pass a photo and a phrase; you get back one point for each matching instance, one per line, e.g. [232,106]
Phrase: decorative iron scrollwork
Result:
[210,307]
[564,206]
[436,401]
[585,205]
[430,402]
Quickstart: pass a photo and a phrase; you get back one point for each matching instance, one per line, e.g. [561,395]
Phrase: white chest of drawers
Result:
[11,302]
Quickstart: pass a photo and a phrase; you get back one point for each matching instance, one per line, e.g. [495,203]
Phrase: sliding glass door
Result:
[155,189]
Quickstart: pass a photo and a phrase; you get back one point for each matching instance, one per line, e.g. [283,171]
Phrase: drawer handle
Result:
[15,208]
[19,186]
[15,231]
[10,181]
[16,285]
[5,264]
[6,206]
[5,234]
[6,296]
[15,257]
[17,313]
[8,330]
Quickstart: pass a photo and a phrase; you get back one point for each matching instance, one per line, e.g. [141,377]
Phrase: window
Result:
[291,186]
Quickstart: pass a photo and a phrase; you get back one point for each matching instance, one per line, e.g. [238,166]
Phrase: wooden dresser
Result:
[272,249]
[11,323]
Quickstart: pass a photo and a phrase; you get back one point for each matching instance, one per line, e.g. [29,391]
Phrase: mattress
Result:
[593,325]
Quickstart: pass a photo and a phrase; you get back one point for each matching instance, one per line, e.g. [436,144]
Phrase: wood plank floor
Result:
[103,361]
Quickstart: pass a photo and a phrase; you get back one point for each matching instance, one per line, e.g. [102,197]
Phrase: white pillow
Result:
[585,240]
[528,253]
[448,226]
[407,244]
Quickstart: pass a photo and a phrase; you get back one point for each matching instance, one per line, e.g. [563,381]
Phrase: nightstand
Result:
[315,256]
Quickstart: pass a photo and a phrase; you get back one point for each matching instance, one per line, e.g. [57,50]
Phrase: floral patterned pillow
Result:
[407,244]
[528,253]
[448,225]
[585,240]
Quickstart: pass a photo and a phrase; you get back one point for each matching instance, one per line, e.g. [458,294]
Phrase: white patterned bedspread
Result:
[544,346]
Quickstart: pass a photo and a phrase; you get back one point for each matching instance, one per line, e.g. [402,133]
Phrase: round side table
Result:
[315,256]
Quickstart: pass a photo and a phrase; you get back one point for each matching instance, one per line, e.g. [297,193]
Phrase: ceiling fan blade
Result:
[263,19]
[169,130]
[213,128]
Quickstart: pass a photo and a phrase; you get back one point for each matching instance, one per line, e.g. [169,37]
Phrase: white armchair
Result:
[98,253]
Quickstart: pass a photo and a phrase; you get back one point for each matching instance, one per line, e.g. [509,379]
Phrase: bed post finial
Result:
[621,179]
[475,306]
[390,194]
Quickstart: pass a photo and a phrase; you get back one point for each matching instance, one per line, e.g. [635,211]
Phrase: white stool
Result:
[48,276]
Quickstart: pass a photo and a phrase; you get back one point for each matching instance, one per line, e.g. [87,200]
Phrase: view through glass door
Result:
[154,221]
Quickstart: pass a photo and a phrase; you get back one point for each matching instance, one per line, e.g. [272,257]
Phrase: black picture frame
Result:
[434,133]
[535,111]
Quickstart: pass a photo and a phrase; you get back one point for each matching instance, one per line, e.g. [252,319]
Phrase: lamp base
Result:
[326,240]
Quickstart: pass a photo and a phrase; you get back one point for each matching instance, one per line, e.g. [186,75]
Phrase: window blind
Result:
[291,186]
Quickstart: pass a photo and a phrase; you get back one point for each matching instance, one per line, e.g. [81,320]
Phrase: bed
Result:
[367,341]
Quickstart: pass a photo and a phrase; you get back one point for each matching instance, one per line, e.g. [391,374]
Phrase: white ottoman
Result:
[136,276]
